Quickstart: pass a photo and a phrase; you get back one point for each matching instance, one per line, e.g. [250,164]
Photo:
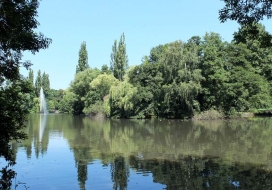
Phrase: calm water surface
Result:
[67,152]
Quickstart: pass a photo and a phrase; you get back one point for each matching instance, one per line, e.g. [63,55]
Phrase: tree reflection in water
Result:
[119,173]
[192,172]
[182,155]
[82,172]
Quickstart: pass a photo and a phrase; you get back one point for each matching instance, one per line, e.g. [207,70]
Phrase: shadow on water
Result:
[177,154]
[8,175]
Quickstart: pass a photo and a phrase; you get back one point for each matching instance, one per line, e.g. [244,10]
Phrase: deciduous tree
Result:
[246,12]
[31,77]
[119,58]
[38,83]
[83,58]
[46,84]
[18,22]
[80,86]
[105,69]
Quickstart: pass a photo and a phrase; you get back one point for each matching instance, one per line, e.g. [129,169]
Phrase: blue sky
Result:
[146,24]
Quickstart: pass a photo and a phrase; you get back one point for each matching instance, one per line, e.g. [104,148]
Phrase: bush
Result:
[95,109]
[209,115]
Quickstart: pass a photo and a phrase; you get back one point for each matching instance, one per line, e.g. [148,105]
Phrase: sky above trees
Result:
[145,24]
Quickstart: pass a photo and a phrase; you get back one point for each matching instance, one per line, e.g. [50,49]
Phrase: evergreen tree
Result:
[83,58]
[38,83]
[119,59]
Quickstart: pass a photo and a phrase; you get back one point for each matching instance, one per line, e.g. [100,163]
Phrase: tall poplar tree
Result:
[83,58]
[119,58]
[31,94]
[45,84]
[114,58]
[38,83]
[31,77]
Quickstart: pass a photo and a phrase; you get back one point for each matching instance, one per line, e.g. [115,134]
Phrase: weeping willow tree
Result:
[166,87]
[181,80]
[122,100]
[180,99]
[97,98]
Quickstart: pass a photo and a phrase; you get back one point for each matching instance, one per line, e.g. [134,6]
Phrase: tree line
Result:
[177,79]
[32,101]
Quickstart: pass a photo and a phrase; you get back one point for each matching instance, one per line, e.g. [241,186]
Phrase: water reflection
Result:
[119,173]
[175,154]
[192,172]
[43,118]
[82,158]
[38,135]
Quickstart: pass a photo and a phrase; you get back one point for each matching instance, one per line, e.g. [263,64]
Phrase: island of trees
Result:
[204,75]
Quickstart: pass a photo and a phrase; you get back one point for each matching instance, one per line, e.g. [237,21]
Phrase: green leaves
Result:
[168,84]
[46,84]
[83,58]
[102,83]
[80,87]
[18,22]
[234,80]
[245,11]
[12,116]
[38,83]
[119,59]
[67,104]
[180,79]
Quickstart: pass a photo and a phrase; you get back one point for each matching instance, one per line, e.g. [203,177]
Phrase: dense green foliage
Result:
[75,97]
[119,59]
[12,120]
[105,69]
[179,79]
[83,58]
[38,83]
[53,97]
[246,11]
[237,74]
[18,22]
[45,84]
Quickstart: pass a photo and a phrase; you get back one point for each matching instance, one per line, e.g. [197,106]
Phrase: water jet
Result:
[43,107]
[43,110]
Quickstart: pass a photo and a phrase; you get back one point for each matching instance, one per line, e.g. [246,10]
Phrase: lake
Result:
[73,152]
